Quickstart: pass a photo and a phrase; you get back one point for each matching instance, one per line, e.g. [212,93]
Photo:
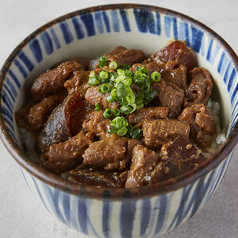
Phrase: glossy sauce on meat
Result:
[164,134]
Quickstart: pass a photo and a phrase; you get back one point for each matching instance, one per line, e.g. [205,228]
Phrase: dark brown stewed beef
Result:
[40,112]
[34,116]
[93,97]
[200,87]
[203,124]
[122,55]
[99,177]
[110,153]
[176,157]
[65,156]
[142,164]
[169,95]
[179,156]
[52,81]
[175,75]
[138,116]
[176,51]
[158,132]
[84,63]
[97,124]
[75,82]
[152,66]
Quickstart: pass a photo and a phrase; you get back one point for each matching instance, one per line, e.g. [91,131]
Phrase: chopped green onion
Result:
[113,65]
[146,85]
[111,98]
[144,69]
[122,131]
[130,97]
[116,112]
[97,107]
[128,82]
[127,109]
[155,76]
[139,102]
[104,88]
[129,73]
[114,92]
[125,67]
[120,71]
[121,90]
[102,61]
[107,113]
[150,96]
[118,87]
[93,81]
[92,73]
[103,74]
[136,134]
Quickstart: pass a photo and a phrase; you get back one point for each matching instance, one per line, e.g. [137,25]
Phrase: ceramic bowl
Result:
[139,212]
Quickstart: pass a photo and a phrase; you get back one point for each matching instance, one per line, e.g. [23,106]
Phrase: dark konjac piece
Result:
[75,138]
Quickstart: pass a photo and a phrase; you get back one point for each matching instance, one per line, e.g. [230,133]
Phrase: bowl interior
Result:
[95,31]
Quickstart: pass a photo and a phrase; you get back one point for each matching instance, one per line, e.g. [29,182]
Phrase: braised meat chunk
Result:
[98,177]
[180,155]
[53,80]
[148,113]
[176,157]
[142,164]
[97,124]
[203,124]
[176,51]
[169,95]
[200,87]
[65,156]
[93,96]
[110,153]
[122,55]
[78,79]
[175,75]
[158,132]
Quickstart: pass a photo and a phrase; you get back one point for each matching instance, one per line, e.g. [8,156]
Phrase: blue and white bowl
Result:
[141,212]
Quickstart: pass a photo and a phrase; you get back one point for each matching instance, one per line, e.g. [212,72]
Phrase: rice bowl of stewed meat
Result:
[137,130]
[130,121]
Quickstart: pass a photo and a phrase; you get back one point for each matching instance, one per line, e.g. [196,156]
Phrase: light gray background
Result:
[21,214]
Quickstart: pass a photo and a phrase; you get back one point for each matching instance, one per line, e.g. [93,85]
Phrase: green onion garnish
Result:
[102,61]
[107,113]
[93,81]
[155,76]
[113,65]
[97,107]
[103,74]
[104,88]
[118,87]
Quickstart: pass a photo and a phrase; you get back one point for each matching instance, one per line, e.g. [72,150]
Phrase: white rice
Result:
[220,136]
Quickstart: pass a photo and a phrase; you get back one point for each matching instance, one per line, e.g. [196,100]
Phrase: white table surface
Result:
[21,214]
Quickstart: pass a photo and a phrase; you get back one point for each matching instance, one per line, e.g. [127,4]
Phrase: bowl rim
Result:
[116,193]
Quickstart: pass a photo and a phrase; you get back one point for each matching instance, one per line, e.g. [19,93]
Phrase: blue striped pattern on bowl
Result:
[142,217]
